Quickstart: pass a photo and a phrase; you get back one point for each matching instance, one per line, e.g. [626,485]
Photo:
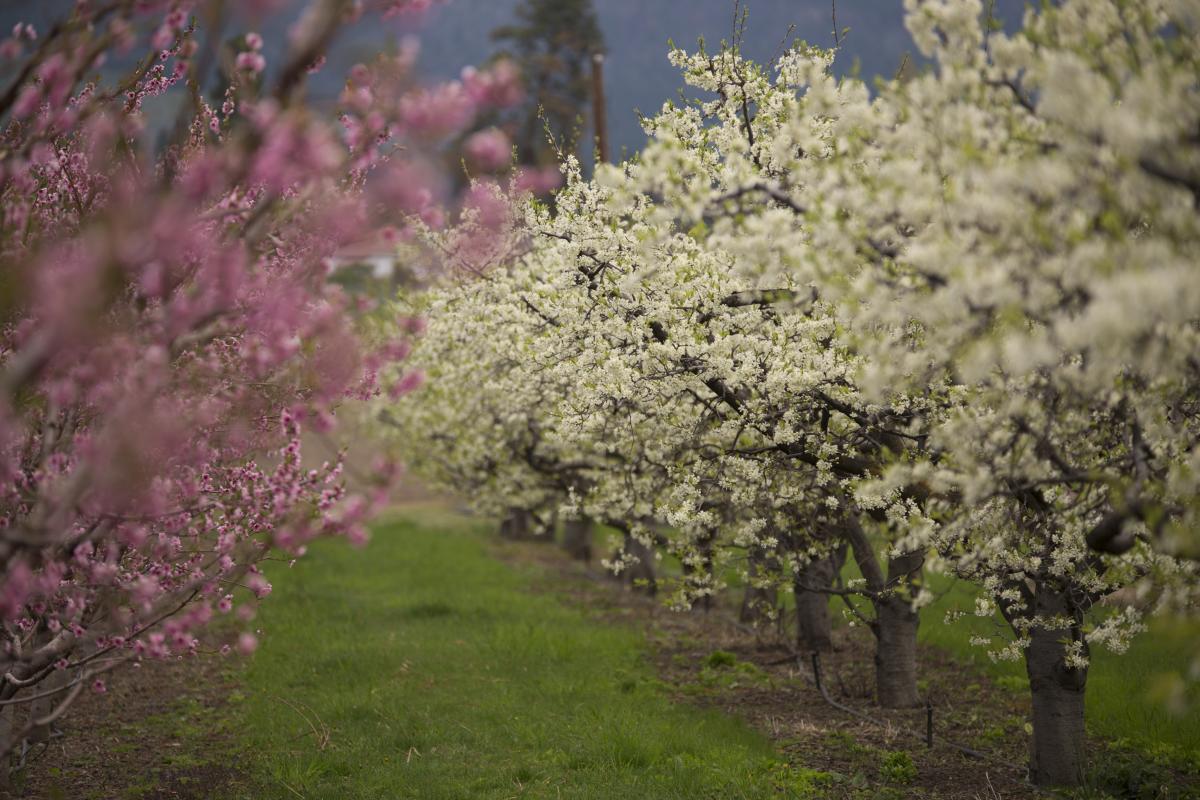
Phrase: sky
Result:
[637,74]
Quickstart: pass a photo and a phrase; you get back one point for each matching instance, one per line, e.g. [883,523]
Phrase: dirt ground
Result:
[160,732]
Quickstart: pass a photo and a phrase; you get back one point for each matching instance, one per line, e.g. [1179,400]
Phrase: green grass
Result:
[420,667]
[1121,691]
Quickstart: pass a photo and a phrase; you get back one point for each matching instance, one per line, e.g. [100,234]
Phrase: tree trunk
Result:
[896,653]
[757,602]
[896,634]
[814,629]
[895,623]
[577,538]
[44,706]
[544,529]
[641,574]
[516,526]
[1056,755]
[7,729]
[701,577]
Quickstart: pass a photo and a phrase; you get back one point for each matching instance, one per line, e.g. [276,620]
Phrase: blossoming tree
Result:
[956,315]
[987,224]
[168,325]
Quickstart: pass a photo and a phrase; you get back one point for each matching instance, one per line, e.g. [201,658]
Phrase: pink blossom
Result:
[537,181]
[357,535]
[409,187]
[15,590]
[144,589]
[487,204]
[251,61]
[27,101]
[490,150]
[498,86]
[409,383]
[437,112]
[398,350]
[162,38]
[258,585]
[360,75]
[123,34]
[433,216]
[247,643]
[323,421]
[415,325]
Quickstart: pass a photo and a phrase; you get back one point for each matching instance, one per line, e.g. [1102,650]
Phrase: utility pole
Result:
[599,111]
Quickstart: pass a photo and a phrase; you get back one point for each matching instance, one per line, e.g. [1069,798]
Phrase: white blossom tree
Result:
[959,314]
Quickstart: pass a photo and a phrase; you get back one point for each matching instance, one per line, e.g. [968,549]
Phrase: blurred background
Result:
[553,40]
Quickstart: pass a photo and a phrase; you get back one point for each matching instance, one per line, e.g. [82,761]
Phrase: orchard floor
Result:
[438,663]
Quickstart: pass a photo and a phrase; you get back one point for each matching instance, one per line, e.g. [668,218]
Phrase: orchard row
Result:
[950,322]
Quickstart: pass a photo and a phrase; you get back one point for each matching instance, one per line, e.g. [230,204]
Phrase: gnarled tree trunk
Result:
[7,731]
[896,653]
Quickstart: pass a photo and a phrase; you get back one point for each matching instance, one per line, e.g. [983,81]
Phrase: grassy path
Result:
[421,668]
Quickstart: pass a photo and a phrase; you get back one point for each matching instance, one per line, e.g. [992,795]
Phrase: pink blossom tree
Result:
[167,326]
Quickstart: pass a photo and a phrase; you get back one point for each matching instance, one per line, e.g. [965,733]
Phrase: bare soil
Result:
[162,731]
